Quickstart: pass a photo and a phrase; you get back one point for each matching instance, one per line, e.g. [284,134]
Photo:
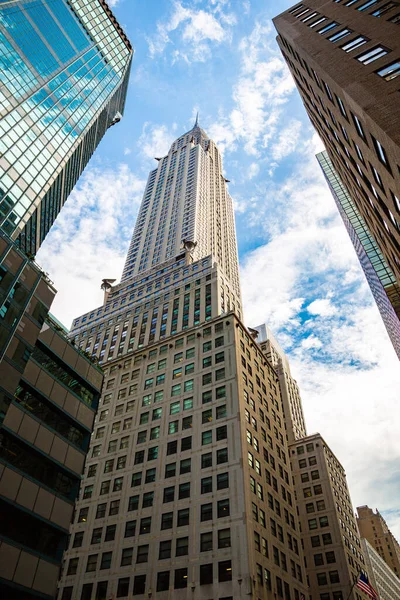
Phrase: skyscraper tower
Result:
[64,69]
[345,60]
[380,276]
[188,489]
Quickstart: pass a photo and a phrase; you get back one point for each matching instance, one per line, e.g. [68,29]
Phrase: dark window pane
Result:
[181,578]
[162,581]
[206,574]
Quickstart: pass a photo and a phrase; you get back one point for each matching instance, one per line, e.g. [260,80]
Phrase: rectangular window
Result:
[390,71]
[106,560]
[327,27]
[372,55]
[354,44]
[367,5]
[339,35]
[166,520]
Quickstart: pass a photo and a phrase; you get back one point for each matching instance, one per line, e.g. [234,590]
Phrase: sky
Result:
[299,271]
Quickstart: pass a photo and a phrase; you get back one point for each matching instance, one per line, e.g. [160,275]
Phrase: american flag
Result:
[364,585]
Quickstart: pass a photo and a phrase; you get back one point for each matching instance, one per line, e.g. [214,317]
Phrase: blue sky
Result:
[299,271]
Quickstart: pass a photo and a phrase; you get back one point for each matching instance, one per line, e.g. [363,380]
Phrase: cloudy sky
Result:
[299,271]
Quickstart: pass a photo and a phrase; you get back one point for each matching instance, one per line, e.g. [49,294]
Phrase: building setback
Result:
[379,275]
[293,410]
[64,69]
[187,490]
[345,60]
[374,529]
[332,546]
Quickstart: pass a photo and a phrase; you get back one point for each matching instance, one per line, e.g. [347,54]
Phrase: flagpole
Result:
[352,587]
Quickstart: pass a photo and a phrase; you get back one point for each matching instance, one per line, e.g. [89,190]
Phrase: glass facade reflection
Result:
[379,275]
[64,68]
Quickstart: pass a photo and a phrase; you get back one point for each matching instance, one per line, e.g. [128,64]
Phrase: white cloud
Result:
[322,307]
[287,140]
[253,170]
[127,151]
[155,140]
[90,238]
[263,86]
[196,32]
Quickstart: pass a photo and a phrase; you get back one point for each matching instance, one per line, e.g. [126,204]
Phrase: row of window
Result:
[179,580]
[206,510]
[378,147]
[378,9]
[388,72]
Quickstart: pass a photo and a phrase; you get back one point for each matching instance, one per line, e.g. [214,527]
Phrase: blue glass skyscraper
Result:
[64,69]
[378,273]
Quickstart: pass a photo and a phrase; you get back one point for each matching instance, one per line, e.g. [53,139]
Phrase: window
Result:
[187,423]
[330,557]
[339,35]
[206,437]
[114,507]
[312,524]
[123,587]
[222,481]
[83,515]
[73,565]
[148,498]
[206,460]
[206,541]
[380,151]
[323,522]
[133,503]
[224,571]
[78,539]
[142,554]
[106,560]
[206,574]
[187,403]
[169,494]
[371,55]
[167,520]
[183,517]
[139,585]
[101,511]
[126,557]
[206,416]
[163,581]
[224,538]
[173,427]
[353,44]
[110,533]
[222,456]
[326,539]
[91,564]
[130,528]
[222,433]
[206,512]
[185,466]
[145,526]
[184,490]
[206,485]
[180,579]
[220,411]
[223,509]
[182,546]
[186,443]
[152,453]
[327,28]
